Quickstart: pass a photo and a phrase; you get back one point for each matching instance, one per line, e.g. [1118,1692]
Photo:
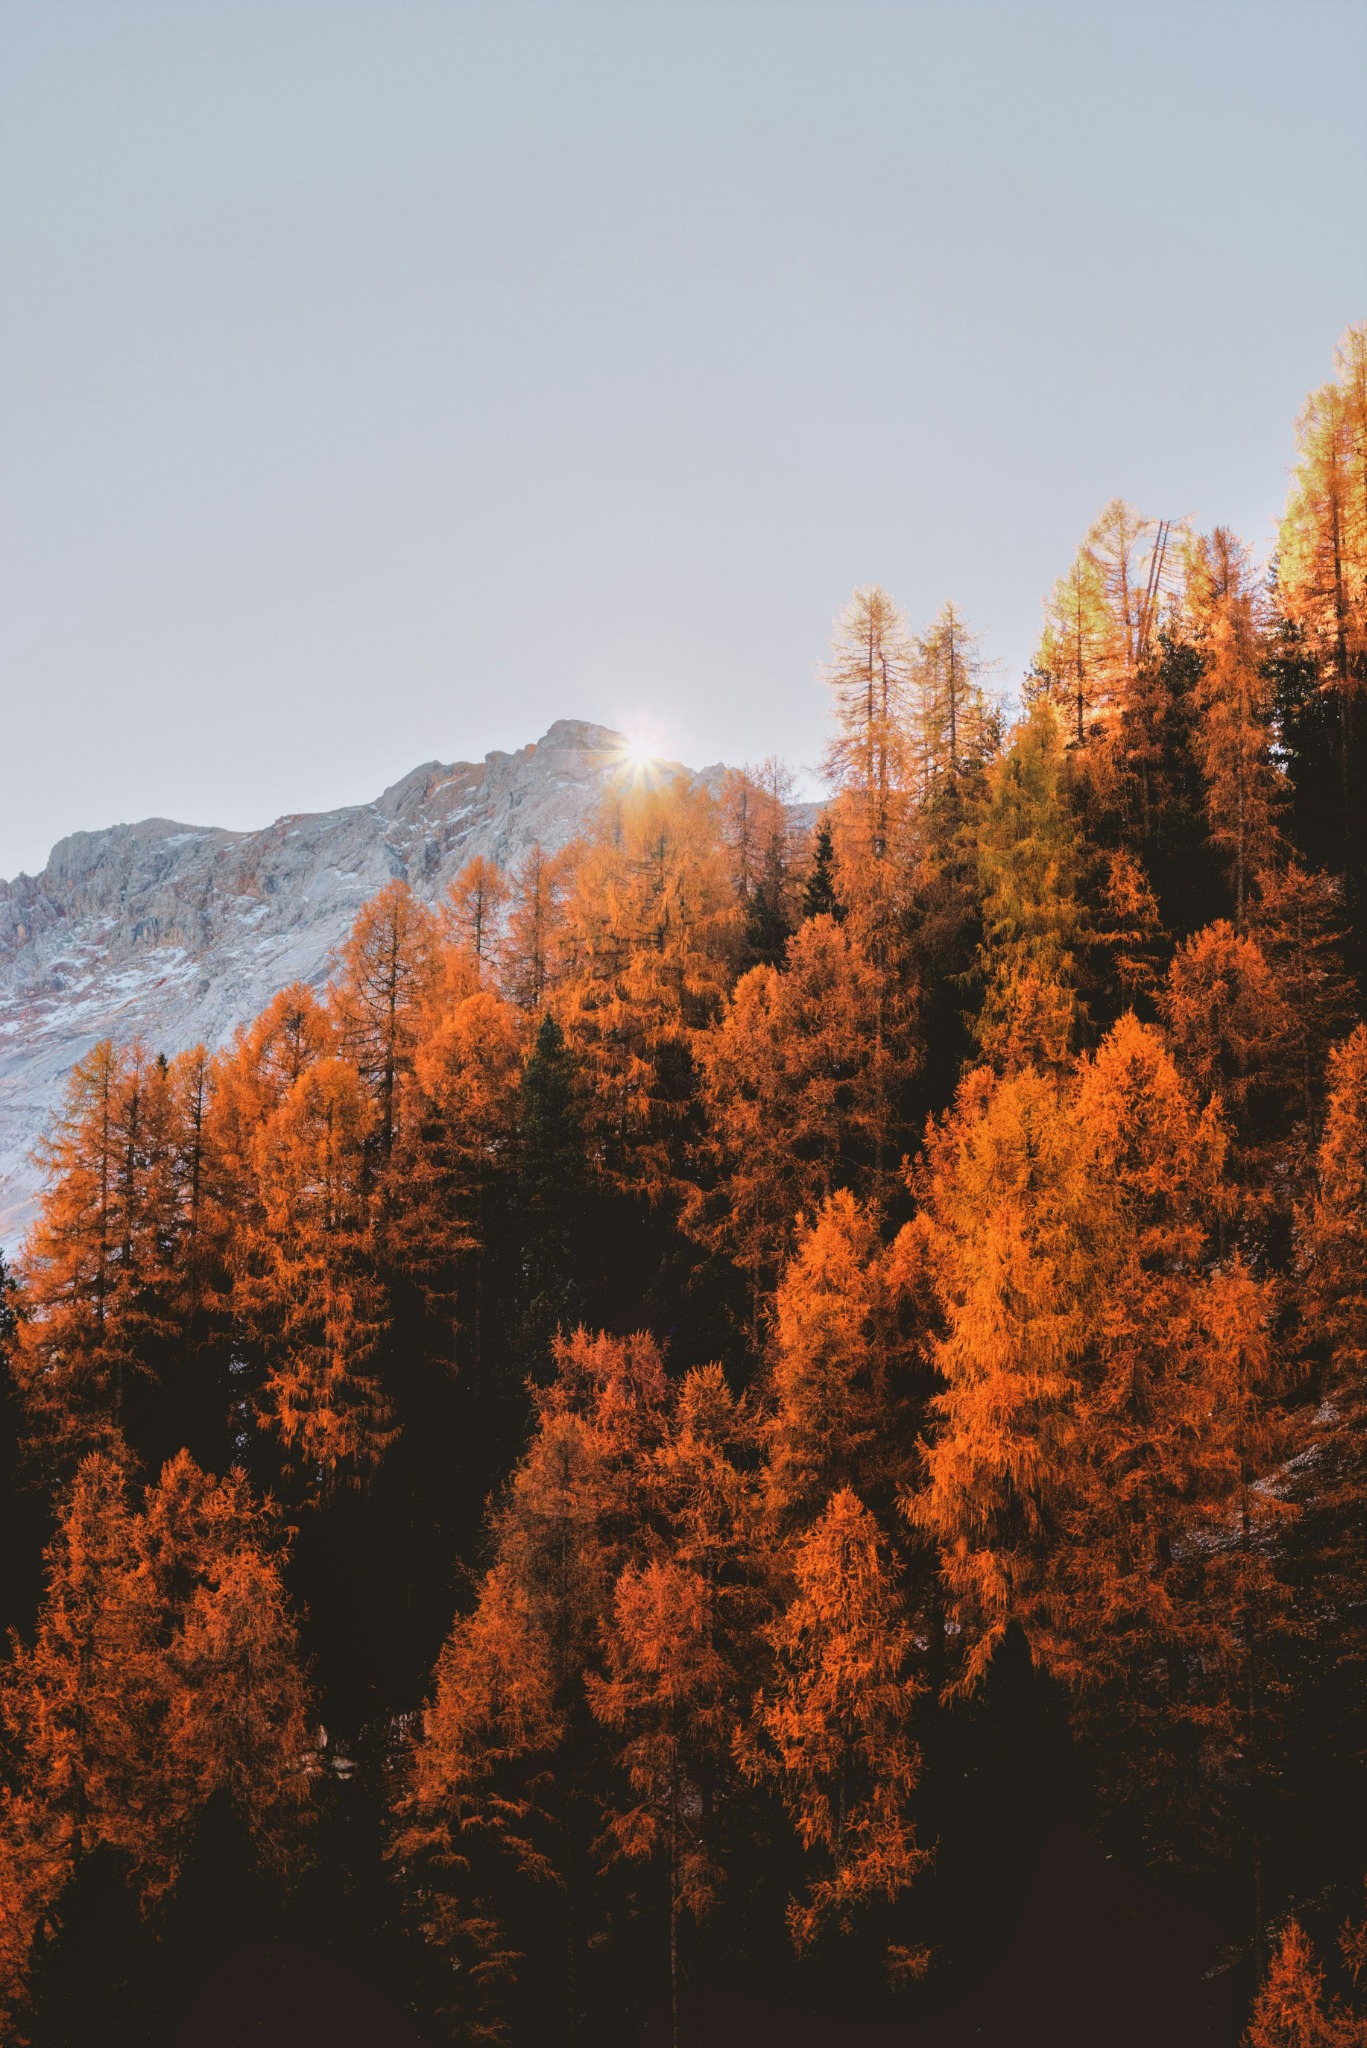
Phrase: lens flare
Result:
[640,752]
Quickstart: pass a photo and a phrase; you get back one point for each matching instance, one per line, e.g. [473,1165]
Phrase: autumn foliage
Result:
[644,1354]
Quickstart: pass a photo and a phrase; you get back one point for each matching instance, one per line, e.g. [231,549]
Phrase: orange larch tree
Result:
[1252,1018]
[472,915]
[306,1290]
[874,766]
[955,725]
[1330,1276]
[528,948]
[1322,555]
[803,1079]
[1291,2010]
[248,1081]
[467,1066]
[833,1730]
[164,1671]
[679,1652]
[870,760]
[1223,614]
[97,1266]
[1031,883]
[387,973]
[1100,619]
[1104,1414]
[235,1719]
[496,1788]
[1321,591]
[669,1692]
[652,930]
[846,1372]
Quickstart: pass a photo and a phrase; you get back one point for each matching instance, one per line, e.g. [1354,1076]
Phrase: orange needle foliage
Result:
[388,971]
[1291,2011]
[671,1694]
[1234,700]
[840,1397]
[652,926]
[1088,1474]
[308,1292]
[1089,1368]
[489,1784]
[163,1673]
[835,1727]
[801,1080]
[1322,563]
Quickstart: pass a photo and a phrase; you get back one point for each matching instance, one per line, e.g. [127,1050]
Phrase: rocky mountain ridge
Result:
[178,933]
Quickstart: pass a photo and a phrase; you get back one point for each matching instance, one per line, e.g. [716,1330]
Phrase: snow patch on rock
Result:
[178,933]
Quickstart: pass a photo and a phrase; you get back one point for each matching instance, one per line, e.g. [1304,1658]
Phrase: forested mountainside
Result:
[746,1429]
[178,933]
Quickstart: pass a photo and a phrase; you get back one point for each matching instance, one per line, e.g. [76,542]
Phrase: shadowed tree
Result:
[819,897]
[754,824]
[496,1791]
[1291,2010]
[551,1194]
[164,1674]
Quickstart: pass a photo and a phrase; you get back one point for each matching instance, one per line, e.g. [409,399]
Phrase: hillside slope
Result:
[178,933]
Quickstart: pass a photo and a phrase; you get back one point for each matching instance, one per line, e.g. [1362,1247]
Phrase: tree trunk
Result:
[674,1927]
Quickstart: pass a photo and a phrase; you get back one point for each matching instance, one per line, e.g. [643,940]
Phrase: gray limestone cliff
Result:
[177,933]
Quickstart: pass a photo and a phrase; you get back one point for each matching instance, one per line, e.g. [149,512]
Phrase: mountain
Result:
[177,933]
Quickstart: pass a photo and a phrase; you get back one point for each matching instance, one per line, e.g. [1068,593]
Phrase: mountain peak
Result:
[176,933]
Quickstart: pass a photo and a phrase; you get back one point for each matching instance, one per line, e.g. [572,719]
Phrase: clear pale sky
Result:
[381,380]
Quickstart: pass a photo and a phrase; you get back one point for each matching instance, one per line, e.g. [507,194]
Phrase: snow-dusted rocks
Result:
[177,933]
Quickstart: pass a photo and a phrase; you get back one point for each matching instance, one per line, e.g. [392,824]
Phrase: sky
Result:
[381,380]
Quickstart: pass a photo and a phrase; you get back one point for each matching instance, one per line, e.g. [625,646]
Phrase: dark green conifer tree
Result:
[8,1312]
[551,1198]
[767,928]
[1149,797]
[819,898]
[1322,734]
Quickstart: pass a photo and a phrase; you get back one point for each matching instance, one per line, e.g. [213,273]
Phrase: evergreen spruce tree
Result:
[9,1312]
[819,898]
[756,834]
[551,1197]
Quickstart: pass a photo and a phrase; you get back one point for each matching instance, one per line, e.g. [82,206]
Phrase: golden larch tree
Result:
[387,974]
[1223,613]
[1322,552]
[834,1730]
[473,912]
[803,1078]
[652,928]
[307,1292]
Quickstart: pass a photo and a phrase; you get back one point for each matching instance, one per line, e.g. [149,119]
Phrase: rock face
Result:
[177,933]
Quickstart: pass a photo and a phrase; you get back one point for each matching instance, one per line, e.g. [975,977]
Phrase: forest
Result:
[717,1403]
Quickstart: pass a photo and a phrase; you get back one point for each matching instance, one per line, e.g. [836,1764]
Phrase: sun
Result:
[639,754]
